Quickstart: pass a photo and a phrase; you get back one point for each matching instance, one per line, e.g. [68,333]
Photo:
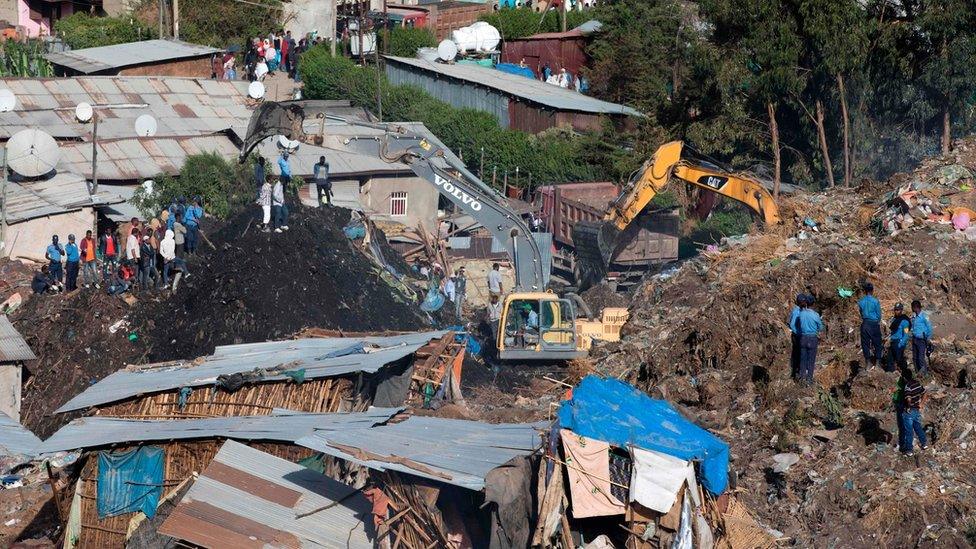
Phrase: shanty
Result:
[150,57]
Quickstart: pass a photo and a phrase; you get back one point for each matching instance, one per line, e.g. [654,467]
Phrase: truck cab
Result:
[539,326]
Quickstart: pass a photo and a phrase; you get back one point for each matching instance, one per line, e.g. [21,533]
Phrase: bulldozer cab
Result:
[538,326]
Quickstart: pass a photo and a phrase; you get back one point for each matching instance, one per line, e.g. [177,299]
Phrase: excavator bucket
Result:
[595,242]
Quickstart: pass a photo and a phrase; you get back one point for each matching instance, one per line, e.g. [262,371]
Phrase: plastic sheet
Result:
[130,481]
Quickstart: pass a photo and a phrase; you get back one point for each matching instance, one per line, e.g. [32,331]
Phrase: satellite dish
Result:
[293,145]
[283,142]
[32,153]
[447,50]
[84,112]
[7,100]
[145,126]
[255,90]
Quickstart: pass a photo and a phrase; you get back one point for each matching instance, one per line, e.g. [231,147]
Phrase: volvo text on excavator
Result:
[553,331]
[595,242]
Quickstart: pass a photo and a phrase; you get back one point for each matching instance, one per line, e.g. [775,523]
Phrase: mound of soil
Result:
[257,286]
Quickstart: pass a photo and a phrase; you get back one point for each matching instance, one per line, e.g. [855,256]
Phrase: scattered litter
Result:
[783,462]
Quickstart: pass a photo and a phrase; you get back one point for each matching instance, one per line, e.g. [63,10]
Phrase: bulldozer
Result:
[595,241]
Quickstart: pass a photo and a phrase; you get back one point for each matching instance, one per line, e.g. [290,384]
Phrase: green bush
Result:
[522,22]
[80,30]
[223,185]
[24,60]
[551,157]
[404,42]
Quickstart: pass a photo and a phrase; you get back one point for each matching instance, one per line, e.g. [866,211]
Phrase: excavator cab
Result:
[539,326]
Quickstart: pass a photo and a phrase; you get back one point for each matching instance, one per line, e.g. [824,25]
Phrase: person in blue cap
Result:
[921,338]
[870,309]
[795,335]
[899,334]
[809,325]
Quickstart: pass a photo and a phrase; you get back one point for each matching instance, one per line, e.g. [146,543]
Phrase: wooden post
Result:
[774,132]
[94,151]
[176,19]
[332,39]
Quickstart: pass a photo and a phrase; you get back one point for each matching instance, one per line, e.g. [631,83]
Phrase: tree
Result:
[80,30]
[405,42]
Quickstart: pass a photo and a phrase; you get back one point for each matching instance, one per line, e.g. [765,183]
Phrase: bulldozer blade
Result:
[595,243]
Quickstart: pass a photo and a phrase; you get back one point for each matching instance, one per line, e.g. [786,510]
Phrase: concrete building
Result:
[146,58]
[14,351]
[517,102]
[34,18]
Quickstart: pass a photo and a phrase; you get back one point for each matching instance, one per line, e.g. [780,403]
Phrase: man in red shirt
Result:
[109,246]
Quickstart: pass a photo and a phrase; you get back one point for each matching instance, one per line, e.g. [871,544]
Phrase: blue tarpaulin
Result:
[512,68]
[615,412]
[470,343]
[130,481]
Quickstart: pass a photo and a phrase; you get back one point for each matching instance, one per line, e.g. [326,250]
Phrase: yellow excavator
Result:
[596,241]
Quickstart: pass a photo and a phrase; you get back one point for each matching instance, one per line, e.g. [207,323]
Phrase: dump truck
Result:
[647,245]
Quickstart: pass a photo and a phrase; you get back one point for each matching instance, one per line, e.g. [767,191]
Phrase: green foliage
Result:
[219,24]
[554,156]
[223,186]
[80,30]
[404,42]
[24,60]
[522,22]
[722,223]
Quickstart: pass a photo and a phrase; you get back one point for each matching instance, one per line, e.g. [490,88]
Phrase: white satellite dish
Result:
[447,50]
[255,90]
[84,112]
[283,142]
[32,153]
[7,100]
[293,145]
[145,126]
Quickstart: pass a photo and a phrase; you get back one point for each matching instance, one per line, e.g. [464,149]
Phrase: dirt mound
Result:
[712,337]
[257,286]
[602,296]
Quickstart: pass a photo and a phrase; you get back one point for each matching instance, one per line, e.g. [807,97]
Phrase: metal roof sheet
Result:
[229,359]
[281,426]
[15,439]
[454,451]
[13,348]
[64,192]
[527,89]
[105,58]
[165,97]
[244,492]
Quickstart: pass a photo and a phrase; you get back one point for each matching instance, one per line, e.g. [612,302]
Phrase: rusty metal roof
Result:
[181,106]
[13,348]
[15,439]
[106,58]
[247,498]
[62,193]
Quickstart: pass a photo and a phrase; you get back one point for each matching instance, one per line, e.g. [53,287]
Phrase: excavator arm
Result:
[595,242]
[396,145]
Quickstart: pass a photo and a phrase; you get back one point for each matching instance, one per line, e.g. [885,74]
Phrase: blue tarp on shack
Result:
[130,481]
[512,68]
[615,412]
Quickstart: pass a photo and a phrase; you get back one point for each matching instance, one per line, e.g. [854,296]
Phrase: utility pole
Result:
[161,8]
[562,13]
[332,39]
[176,19]
[94,151]
[3,204]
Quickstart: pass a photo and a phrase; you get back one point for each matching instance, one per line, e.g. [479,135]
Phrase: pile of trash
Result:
[712,337]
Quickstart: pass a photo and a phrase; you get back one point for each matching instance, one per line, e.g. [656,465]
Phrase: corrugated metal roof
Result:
[91,60]
[64,192]
[446,450]
[15,439]
[281,426]
[245,492]
[165,97]
[13,348]
[229,359]
[527,89]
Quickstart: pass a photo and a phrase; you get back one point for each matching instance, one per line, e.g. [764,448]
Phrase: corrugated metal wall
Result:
[560,53]
[458,95]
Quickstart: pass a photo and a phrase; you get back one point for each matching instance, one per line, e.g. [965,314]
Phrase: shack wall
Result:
[459,95]
[199,67]
[30,239]
[450,16]
[559,53]
[10,381]
[422,199]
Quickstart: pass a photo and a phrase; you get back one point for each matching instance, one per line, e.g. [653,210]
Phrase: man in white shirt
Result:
[132,246]
[494,311]
[495,281]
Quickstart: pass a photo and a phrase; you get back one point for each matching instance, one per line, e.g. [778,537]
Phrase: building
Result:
[450,15]
[36,210]
[338,374]
[146,58]
[517,102]
[558,50]
[33,18]
[14,351]
[165,453]
[15,439]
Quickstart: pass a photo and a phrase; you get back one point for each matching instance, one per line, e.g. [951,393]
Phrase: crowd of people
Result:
[145,258]
[904,332]
[279,51]
[453,288]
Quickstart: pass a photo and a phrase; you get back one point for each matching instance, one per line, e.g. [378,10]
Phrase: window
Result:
[398,204]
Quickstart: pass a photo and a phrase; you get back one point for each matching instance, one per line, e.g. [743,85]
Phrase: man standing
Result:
[72,257]
[323,187]
[913,398]
[495,281]
[89,269]
[284,167]
[810,326]
[921,335]
[109,246]
[278,209]
[899,333]
[191,220]
[147,256]
[795,336]
[494,313]
[460,287]
[450,290]
[132,248]
[870,309]
[54,254]
[167,249]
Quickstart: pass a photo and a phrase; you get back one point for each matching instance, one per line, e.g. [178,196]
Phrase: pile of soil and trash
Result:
[712,337]
[249,286]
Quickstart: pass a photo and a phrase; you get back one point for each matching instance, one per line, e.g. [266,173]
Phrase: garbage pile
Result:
[712,337]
